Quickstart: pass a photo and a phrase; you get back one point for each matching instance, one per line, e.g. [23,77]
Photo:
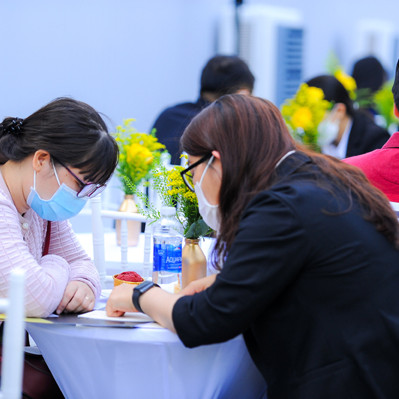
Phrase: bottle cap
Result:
[168,211]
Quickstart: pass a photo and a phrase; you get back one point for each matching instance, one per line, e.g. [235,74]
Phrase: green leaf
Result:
[197,229]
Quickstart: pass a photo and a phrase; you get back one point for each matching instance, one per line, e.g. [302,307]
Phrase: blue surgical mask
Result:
[63,205]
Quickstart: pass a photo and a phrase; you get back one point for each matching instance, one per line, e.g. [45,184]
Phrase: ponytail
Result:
[10,131]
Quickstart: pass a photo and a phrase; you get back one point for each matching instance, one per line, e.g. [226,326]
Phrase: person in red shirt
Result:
[380,165]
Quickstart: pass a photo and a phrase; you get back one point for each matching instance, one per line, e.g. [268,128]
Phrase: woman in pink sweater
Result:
[50,164]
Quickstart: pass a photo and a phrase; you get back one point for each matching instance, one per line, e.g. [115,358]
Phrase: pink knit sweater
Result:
[21,246]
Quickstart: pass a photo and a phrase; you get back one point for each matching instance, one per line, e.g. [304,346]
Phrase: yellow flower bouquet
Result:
[138,154]
[304,112]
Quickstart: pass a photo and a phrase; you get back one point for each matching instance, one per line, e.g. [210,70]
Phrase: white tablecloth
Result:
[111,363]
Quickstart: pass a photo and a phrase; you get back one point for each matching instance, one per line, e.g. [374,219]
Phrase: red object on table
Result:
[130,276]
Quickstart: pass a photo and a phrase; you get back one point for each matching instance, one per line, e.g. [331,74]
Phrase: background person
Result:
[221,75]
[309,258]
[351,132]
[51,163]
[369,74]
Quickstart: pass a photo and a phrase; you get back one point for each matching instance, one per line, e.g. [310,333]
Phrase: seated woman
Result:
[346,131]
[51,163]
[310,261]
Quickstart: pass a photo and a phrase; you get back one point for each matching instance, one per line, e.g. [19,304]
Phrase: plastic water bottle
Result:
[168,239]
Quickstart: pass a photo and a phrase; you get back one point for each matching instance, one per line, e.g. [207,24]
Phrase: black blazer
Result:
[365,135]
[314,289]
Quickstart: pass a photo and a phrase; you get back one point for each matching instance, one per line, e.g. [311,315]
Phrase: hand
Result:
[120,301]
[198,285]
[78,298]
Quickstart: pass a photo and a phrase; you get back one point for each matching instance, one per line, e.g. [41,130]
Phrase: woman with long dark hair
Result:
[308,252]
[50,164]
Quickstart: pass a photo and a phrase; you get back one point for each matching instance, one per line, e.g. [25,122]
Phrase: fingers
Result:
[111,312]
[120,300]
[77,305]
[190,289]
[68,294]
[78,297]
[198,285]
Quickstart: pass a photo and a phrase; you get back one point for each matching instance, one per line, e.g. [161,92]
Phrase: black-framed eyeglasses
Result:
[188,180]
[88,190]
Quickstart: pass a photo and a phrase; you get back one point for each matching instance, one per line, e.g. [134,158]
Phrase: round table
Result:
[108,362]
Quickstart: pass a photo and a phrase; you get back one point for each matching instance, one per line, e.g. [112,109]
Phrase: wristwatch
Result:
[139,290]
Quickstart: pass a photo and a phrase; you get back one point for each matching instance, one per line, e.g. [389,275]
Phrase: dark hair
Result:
[225,74]
[71,131]
[395,87]
[251,136]
[333,90]
[369,73]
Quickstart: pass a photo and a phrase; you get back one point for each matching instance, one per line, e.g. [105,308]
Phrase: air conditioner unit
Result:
[271,42]
[379,38]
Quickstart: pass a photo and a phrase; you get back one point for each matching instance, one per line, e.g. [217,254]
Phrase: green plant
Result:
[173,192]
[383,100]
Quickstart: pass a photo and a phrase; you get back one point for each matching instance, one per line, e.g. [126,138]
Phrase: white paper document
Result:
[128,317]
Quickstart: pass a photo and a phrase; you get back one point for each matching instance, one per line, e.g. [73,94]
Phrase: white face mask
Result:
[328,132]
[328,129]
[210,213]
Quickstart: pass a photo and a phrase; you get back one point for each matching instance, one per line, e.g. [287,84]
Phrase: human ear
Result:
[216,154]
[339,110]
[217,164]
[40,159]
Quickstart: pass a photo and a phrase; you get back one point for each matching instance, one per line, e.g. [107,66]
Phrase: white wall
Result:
[127,58]
[330,25]
[131,58]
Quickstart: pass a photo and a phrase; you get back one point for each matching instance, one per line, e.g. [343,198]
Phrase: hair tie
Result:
[14,127]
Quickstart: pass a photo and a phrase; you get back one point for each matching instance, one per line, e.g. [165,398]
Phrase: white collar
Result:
[283,157]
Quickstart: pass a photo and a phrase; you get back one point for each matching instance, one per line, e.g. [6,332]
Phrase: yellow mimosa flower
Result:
[347,81]
[303,112]
[302,118]
[315,94]
[138,153]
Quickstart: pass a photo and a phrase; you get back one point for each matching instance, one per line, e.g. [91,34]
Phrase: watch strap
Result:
[139,290]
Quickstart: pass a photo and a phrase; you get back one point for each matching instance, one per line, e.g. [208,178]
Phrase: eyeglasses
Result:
[188,180]
[88,190]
